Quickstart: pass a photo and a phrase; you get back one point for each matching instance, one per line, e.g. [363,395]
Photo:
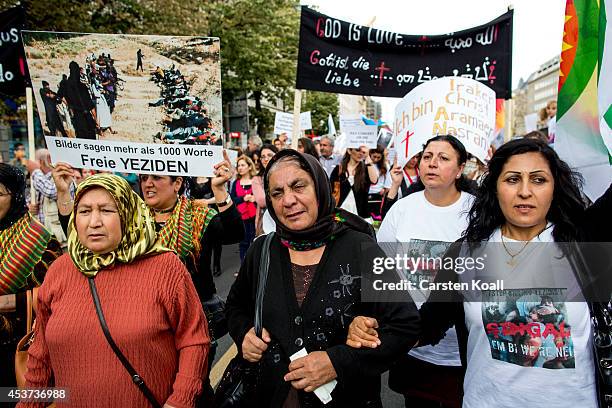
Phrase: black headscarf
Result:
[331,221]
[14,180]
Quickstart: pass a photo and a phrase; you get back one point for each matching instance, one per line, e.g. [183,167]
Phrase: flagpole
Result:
[297,108]
[509,128]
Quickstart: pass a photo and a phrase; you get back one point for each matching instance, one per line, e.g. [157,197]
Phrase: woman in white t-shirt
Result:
[431,376]
[525,347]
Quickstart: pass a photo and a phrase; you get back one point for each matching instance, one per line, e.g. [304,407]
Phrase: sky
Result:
[537,33]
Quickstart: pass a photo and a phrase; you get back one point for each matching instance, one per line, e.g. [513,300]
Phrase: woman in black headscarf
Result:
[319,259]
[26,251]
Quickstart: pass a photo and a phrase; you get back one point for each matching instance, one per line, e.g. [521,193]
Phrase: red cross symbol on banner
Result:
[382,70]
[423,39]
[407,140]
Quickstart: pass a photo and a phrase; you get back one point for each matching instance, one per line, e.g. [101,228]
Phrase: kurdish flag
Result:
[584,110]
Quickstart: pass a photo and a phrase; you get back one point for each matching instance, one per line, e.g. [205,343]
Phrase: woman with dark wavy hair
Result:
[566,208]
[528,341]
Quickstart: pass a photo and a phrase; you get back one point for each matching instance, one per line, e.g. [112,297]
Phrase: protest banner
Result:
[341,57]
[362,135]
[12,60]
[152,98]
[283,122]
[456,106]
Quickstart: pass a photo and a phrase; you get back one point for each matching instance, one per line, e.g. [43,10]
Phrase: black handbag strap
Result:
[124,361]
[264,265]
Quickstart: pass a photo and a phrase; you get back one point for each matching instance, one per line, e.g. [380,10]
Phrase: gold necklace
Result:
[511,262]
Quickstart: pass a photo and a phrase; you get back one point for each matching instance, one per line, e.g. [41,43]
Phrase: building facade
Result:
[352,104]
[533,94]
[373,109]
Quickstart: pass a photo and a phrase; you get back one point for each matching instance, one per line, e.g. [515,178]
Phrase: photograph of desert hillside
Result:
[146,89]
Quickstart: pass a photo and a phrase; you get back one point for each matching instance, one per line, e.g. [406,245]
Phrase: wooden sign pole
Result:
[297,108]
[31,142]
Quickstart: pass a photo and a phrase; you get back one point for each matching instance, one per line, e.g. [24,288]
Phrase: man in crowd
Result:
[328,159]
[46,195]
[284,141]
[253,145]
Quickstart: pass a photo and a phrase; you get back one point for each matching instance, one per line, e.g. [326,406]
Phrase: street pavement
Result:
[230,263]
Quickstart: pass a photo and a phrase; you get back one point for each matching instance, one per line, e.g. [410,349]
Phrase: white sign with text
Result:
[456,106]
[363,135]
[283,122]
[347,121]
[130,157]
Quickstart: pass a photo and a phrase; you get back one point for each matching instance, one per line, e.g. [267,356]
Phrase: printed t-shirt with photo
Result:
[530,348]
[413,220]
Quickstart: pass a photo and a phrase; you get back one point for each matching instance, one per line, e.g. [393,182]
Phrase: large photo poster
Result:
[128,103]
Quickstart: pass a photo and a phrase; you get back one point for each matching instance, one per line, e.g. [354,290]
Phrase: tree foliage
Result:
[259,41]
[320,105]
[162,17]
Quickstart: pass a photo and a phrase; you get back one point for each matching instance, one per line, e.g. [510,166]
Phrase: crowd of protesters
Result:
[150,247]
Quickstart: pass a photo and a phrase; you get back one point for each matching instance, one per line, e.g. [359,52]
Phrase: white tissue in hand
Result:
[324,391]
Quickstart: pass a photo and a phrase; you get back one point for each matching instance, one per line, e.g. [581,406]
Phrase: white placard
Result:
[347,121]
[305,121]
[283,122]
[531,122]
[130,157]
[456,106]
[364,135]
[233,156]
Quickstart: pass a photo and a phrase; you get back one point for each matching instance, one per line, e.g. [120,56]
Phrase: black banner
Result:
[341,57]
[12,57]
